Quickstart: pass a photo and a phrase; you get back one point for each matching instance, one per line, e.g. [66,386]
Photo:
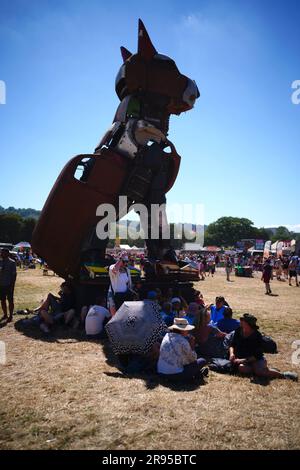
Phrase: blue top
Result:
[190,319]
[228,324]
[216,315]
[168,318]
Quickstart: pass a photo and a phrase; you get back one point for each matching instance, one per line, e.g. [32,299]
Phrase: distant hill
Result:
[272,229]
[25,213]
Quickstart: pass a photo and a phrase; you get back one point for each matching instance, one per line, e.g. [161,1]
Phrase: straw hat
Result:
[181,324]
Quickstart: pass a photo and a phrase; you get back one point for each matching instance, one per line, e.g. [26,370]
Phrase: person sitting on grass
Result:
[56,308]
[217,310]
[177,357]
[209,339]
[198,298]
[228,324]
[246,351]
[192,313]
[178,306]
[167,314]
[153,296]
[139,289]
[96,317]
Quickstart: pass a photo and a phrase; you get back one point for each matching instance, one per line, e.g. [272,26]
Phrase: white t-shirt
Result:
[94,319]
[120,281]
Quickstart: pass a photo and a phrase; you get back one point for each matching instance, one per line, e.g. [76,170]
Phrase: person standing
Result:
[211,265]
[278,268]
[120,288]
[267,275]
[293,270]
[228,268]
[285,267]
[8,275]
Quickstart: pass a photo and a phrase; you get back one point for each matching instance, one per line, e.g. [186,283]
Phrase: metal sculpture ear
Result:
[125,53]
[145,46]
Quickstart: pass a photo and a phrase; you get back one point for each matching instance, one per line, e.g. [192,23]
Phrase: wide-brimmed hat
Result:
[181,324]
[250,320]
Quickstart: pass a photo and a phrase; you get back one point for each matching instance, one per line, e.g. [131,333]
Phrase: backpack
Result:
[223,366]
[269,345]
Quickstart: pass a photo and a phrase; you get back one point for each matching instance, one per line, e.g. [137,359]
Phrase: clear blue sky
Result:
[240,146]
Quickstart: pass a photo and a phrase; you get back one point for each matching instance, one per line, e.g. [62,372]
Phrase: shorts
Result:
[7,292]
[293,273]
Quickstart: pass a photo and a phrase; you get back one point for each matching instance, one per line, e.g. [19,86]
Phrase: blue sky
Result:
[240,146]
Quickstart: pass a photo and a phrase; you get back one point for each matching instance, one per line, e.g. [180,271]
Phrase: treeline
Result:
[226,231]
[24,213]
[14,228]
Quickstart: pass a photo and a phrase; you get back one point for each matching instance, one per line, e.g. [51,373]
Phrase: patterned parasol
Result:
[135,327]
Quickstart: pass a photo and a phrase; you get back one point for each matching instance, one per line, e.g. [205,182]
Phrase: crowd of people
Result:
[284,266]
[196,334]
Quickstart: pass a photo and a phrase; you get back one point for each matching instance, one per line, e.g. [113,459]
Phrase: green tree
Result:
[263,234]
[282,233]
[226,231]
[10,228]
[27,229]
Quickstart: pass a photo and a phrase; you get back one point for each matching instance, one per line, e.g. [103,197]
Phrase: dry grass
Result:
[68,394]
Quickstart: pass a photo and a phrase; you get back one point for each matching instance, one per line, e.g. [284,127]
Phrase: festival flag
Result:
[267,249]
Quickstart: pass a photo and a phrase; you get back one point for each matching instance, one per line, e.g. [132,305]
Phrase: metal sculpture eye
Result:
[120,82]
[191,93]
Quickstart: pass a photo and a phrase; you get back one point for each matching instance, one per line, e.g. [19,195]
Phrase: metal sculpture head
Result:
[150,75]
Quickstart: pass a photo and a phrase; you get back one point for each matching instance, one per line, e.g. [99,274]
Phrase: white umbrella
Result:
[135,327]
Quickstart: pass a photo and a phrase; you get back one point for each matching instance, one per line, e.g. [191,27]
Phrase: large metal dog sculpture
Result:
[130,160]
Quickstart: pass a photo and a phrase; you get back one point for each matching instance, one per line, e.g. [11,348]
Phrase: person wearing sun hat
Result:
[177,357]
[246,351]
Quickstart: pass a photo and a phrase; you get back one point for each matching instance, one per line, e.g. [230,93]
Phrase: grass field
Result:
[68,394]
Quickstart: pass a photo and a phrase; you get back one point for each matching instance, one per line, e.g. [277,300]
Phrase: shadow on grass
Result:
[58,333]
[67,334]
[263,381]
[153,380]
[149,375]
[3,323]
